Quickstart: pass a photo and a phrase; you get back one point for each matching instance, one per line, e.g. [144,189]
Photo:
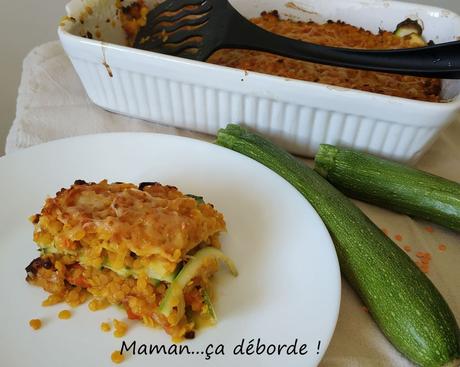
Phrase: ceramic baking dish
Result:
[298,115]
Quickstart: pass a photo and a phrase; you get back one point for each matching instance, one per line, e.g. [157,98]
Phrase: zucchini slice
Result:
[198,199]
[154,271]
[408,26]
[411,29]
[174,297]
[210,308]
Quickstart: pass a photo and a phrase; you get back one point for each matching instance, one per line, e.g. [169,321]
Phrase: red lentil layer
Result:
[70,282]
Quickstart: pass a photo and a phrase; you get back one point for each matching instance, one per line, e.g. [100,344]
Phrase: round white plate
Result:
[287,293]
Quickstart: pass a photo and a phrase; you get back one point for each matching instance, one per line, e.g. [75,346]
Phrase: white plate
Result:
[288,287]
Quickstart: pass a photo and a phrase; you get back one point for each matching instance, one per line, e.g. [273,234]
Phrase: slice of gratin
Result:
[132,246]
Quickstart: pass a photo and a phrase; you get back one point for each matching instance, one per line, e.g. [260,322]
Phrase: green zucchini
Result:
[174,297]
[411,29]
[155,270]
[408,26]
[391,185]
[198,199]
[408,308]
[209,307]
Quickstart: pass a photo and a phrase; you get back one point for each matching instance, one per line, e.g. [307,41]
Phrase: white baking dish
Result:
[298,115]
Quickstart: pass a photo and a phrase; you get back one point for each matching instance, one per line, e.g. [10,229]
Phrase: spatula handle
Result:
[436,61]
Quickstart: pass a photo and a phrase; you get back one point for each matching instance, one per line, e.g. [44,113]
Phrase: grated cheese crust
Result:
[118,220]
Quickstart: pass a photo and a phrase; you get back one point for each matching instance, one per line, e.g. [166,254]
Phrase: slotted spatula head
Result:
[186,28]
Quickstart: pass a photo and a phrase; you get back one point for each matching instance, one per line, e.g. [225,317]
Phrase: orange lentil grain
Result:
[384,230]
[119,333]
[407,248]
[120,328]
[35,324]
[52,300]
[398,237]
[105,327]
[117,357]
[442,247]
[65,314]
[424,261]
[365,309]
[96,305]
[429,229]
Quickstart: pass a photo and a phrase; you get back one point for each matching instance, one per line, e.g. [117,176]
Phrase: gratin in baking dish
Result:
[298,115]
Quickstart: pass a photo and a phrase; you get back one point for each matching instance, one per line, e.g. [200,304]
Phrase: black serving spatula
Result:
[194,29]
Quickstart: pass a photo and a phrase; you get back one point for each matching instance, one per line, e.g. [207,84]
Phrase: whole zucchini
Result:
[391,185]
[402,300]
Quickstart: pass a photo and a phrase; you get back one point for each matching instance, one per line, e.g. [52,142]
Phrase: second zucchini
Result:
[391,185]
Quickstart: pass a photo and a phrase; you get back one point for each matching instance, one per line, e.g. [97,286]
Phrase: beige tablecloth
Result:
[52,104]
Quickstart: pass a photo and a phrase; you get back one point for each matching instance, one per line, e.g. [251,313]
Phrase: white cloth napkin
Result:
[52,104]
